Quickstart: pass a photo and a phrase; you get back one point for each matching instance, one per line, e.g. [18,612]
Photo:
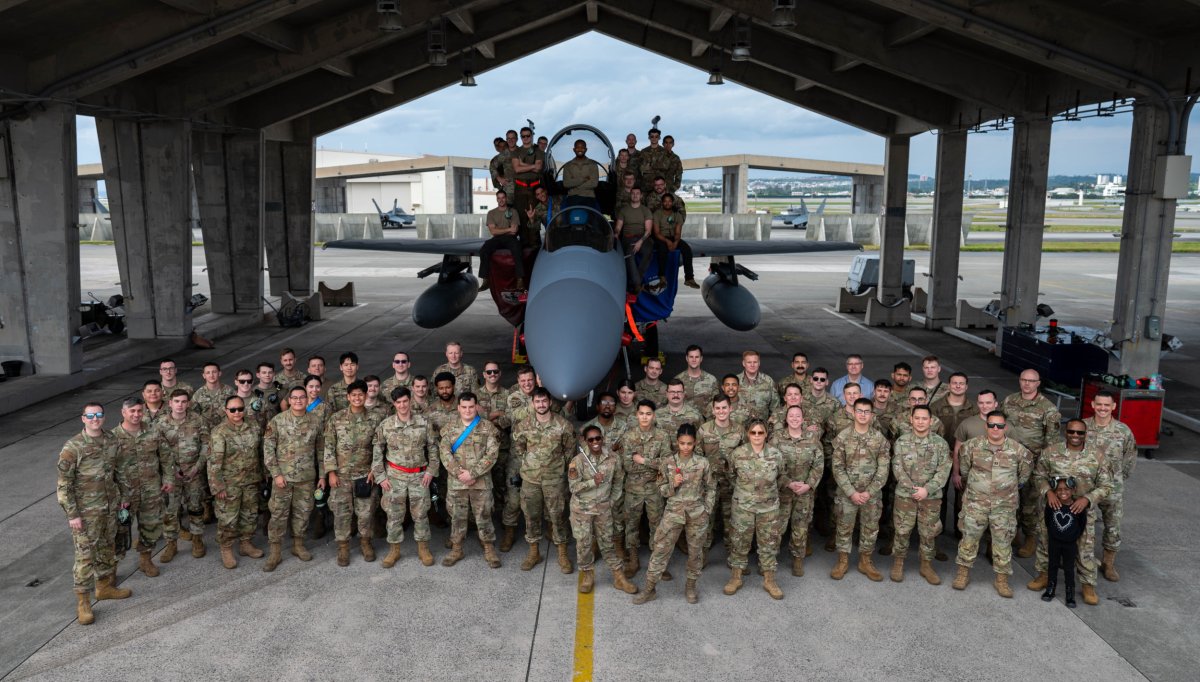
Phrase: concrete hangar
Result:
[227,96]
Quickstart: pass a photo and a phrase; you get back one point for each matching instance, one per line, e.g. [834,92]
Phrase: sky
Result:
[618,88]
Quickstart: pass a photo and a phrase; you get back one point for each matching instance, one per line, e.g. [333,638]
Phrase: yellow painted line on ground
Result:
[583,636]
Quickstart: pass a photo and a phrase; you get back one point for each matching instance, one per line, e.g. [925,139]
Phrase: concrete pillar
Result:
[147,172]
[1025,222]
[330,195]
[89,196]
[39,242]
[866,194]
[733,189]
[458,190]
[895,197]
[288,216]
[229,188]
[947,229]
[1145,260]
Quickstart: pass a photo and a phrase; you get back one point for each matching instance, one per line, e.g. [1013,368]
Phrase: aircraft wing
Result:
[441,247]
[713,248]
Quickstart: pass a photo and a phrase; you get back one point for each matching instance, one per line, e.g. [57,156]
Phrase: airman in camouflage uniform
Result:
[290,446]
[150,468]
[921,464]
[595,478]
[741,410]
[791,397]
[799,376]
[470,480]
[187,437]
[500,168]
[544,441]
[465,376]
[804,462]
[755,387]
[234,475]
[642,448]
[839,419]
[651,161]
[699,386]
[90,487]
[1033,421]
[994,468]
[860,462]
[402,376]
[719,437]
[651,387]
[208,401]
[758,473]
[335,394]
[676,412]
[673,168]
[612,428]
[493,404]
[347,458]
[405,444]
[517,407]
[1116,442]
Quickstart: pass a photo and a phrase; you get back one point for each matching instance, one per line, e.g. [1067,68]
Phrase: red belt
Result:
[533,183]
[407,470]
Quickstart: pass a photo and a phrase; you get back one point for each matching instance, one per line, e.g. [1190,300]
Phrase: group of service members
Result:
[768,458]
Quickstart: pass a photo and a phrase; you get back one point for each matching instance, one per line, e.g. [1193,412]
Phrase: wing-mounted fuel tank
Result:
[732,304]
[454,292]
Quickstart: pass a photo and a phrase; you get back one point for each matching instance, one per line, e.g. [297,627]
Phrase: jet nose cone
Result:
[572,333]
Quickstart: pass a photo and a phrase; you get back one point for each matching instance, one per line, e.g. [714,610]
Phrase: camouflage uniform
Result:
[263,405]
[147,462]
[673,172]
[290,448]
[825,509]
[992,476]
[90,487]
[612,439]
[820,408]
[335,395]
[656,392]
[378,412]
[516,408]
[699,390]
[760,393]
[235,468]
[924,463]
[717,445]
[592,505]
[152,417]
[742,411]
[392,383]
[465,377]
[860,464]
[670,421]
[804,383]
[497,401]
[544,450]
[952,416]
[803,461]
[500,168]
[1034,424]
[167,390]
[348,453]
[1093,480]
[932,395]
[757,478]
[404,452]
[651,161]
[477,455]
[188,441]
[1119,449]
[902,425]
[290,379]
[687,510]
[210,405]
[641,480]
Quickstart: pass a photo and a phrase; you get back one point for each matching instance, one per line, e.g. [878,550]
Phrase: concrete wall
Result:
[330,226]
[864,229]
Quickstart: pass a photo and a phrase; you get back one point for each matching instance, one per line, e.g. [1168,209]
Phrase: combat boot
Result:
[666,576]
[1089,595]
[587,580]
[929,574]
[509,537]
[146,564]
[689,591]
[1002,588]
[185,535]
[169,552]
[1051,586]
[735,582]
[393,555]
[885,547]
[564,560]
[247,548]
[648,594]
[839,569]
[632,565]
[343,555]
[619,548]
[897,569]
[830,543]
[299,551]
[1069,596]
[962,578]
[454,556]
[318,524]
[867,568]
[423,553]
[941,556]
[1037,583]
[208,516]
[622,583]
[798,566]
[198,548]
[1026,550]
[106,589]
[274,556]
[368,550]
[1108,565]
[771,586]
[533,558]
[227,558]
[83,609]
[489,555]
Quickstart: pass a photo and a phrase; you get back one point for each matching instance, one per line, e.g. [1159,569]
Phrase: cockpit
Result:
[579,226]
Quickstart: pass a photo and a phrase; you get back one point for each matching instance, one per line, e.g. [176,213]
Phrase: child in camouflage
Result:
[1063,529]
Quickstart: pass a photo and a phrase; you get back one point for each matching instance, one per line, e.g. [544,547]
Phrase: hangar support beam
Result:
[947,229]
[288,217]
[895,200]
[229,190]
[1021,274]
[866,194]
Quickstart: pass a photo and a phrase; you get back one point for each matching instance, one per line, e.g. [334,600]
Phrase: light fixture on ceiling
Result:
[389,15]
[436,43]
[784,14]
[714,72]
[741,41]
[468,65]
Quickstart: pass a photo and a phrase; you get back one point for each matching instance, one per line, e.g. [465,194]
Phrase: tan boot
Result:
[299,551]
[1039,583]
[867,568]
[509,537]
[587,580]
[106,589]
[247,548]
[489,555]
[83,608]
[274,556]
[454,556]
[897,574]
[962,578]
[198,548]
[771,586]
[798,566]
[1027,550]
[146,565]
[564,560]
[689,591]
[185,535]
[647,593]
[423,553]
[227,558]
[1089,595]
[533,558]
[343,555]
[619,548]
[1108,566]
[839,569]
[393,555]
[1002,588]
[735,582]
[622,583]
[368,550]
[632,565]
[169,552]
[929,574]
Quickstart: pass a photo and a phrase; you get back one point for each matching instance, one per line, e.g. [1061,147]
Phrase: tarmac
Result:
[312,620]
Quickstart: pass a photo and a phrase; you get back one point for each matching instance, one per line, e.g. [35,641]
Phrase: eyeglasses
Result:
[996,426]
[524,135]
[399,362]
[235,410]
[1077,432]
[863,411]
[607,402]
[491,371]
[93,415]
[595,439]
[166,369]
[244,381]
[1030,381]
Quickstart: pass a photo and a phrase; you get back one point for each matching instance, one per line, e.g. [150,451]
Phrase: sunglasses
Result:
[491,371]
[244,381]
[595,439]
[1077,432]
[757,432]
[996,426]
[93,415]
[399,362]
[235,410]
[607,402]
[819,380]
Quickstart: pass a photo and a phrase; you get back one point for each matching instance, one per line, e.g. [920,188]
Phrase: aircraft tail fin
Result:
[821,208]
[380,210]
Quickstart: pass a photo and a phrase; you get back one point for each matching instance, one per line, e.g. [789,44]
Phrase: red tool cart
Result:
[1140,409]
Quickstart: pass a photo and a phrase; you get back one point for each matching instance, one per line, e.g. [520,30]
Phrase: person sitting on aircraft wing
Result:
[633,227]
[628,182]
[668,237]
[537,212]
[503,224]
[580,177]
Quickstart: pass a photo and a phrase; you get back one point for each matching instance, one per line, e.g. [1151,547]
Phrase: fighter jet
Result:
[797,217]
[395,217]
